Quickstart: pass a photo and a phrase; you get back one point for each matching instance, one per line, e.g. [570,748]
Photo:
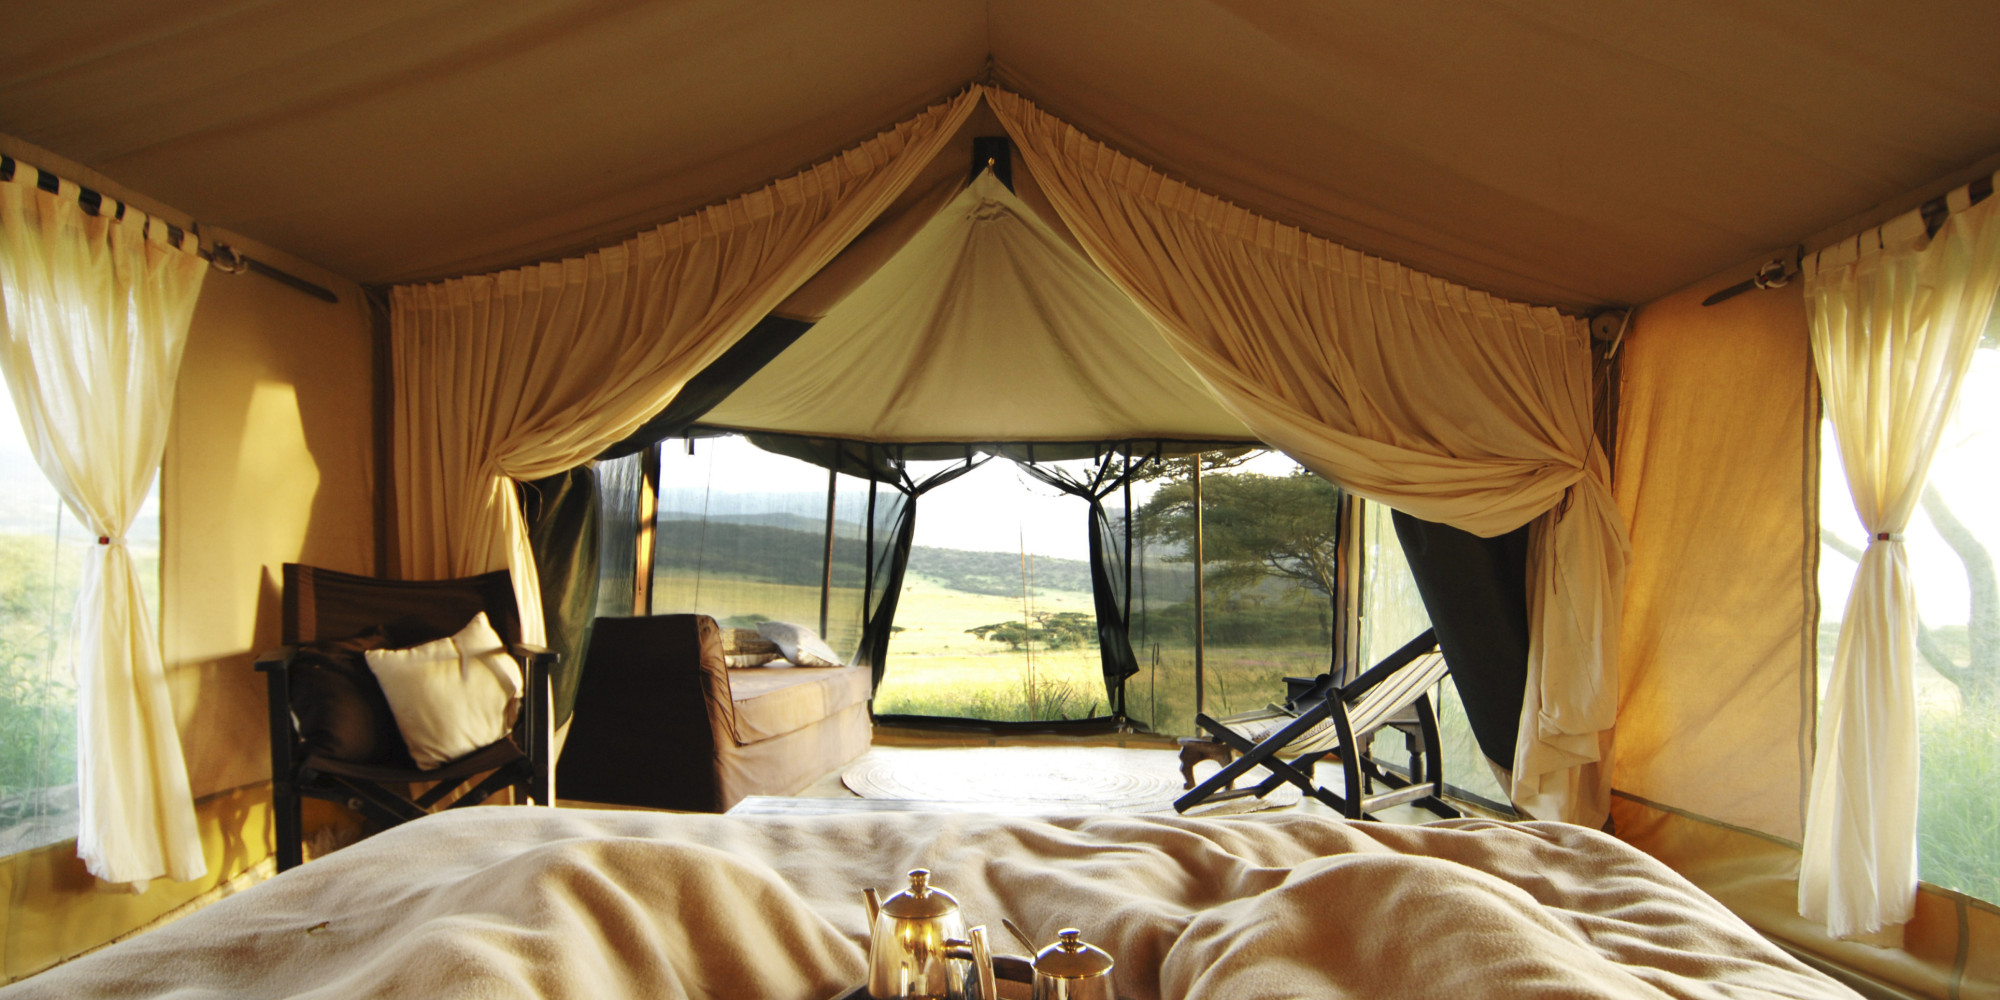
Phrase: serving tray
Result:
[1013,978]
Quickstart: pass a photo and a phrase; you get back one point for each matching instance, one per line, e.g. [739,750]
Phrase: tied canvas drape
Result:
[522,374]
[1440,401]
[1895,317]
[97,313]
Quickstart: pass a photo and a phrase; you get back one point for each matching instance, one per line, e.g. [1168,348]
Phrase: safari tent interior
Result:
[1628,284]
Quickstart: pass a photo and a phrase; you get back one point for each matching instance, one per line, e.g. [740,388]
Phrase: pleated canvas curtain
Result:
[1895,317]
[522,374]
[97,312]
[1447,403]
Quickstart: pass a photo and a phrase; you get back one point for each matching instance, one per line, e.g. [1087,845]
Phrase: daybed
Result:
[662,722]
[555,903]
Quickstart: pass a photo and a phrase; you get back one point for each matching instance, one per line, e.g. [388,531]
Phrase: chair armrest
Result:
[276,666]
[277,659]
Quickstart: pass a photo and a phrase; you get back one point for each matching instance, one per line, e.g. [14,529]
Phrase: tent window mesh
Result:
[1392,613]
[996,619]
[618,483]
[741,537]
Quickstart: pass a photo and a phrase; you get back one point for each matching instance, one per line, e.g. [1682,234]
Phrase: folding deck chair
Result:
[1321,719]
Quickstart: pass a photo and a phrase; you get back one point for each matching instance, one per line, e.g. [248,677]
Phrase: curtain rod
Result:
[1776,275]
[224,257]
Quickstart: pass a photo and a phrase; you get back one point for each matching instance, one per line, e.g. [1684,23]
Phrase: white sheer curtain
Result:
[523,374]
[1895,318]
[1435,399]
[97,312]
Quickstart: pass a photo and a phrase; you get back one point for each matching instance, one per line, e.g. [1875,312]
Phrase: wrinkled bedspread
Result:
[521,902]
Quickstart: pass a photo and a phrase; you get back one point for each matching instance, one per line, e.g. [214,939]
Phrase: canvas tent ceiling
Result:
[985,326]
[1562,153]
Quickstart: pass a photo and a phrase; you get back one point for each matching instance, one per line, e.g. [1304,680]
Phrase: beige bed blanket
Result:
[523,902]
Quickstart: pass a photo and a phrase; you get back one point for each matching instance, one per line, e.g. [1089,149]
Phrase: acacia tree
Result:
[1053,630]
[1254,528]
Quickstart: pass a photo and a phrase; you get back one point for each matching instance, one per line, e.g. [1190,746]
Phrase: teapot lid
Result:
[920,901]
[1071,958]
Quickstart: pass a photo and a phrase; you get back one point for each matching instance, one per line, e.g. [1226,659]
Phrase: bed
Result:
[547,903]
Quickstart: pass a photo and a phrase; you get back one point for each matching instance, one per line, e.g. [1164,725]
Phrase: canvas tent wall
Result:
[1566,155]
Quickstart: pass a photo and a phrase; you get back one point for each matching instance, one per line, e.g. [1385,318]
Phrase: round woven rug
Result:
[1086,779]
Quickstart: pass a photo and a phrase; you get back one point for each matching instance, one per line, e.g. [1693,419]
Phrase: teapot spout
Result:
[874,904]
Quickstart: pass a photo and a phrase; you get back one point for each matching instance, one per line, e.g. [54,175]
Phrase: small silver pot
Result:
[1073,970]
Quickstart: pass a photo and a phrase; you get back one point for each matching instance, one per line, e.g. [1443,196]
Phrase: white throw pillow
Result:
[452,696]
[799,644]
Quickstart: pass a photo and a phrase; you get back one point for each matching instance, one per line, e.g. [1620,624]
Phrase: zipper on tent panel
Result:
[649,514]
[1349,560]
[826,569]
[1200,594]
[868,574]
[1126,609]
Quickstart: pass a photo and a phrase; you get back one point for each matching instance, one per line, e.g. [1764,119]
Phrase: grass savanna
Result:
[38,730]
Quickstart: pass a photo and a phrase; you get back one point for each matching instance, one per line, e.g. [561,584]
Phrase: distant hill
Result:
[791,548]
[998,573]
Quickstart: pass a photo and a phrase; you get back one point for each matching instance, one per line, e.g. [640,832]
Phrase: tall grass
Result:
[1958,812]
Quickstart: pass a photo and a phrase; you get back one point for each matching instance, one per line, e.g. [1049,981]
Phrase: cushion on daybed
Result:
[799,644]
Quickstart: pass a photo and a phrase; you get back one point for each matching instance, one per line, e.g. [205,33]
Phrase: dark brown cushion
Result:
[339,708]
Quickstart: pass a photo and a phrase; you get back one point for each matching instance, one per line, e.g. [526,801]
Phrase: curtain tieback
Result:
[1888,536]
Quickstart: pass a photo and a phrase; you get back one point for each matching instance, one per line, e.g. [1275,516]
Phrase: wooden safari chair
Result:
[1321,719]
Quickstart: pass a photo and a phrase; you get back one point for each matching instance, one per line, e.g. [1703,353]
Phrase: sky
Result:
[29,505]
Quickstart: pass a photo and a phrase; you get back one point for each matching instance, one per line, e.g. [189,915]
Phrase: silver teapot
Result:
[1073,970]
[918,947]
